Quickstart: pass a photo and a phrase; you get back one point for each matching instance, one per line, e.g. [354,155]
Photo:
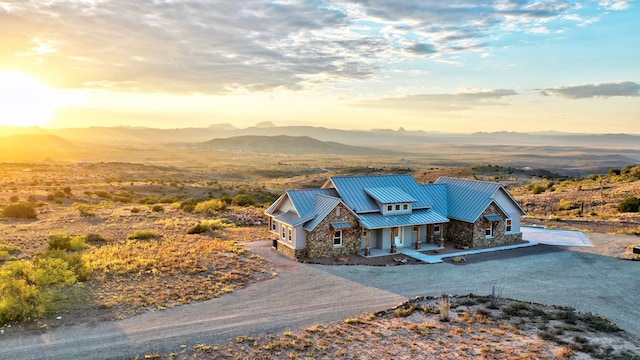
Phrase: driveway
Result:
[303,295]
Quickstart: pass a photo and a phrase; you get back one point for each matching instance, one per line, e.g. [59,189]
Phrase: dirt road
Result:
[303,295]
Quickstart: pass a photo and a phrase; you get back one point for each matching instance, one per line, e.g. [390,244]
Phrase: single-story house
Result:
[352,214]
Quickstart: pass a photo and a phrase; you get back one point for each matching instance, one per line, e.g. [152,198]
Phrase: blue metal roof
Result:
[291,218]
[418,217]
[467,199]
[389,195]
[352,190]
[304,200]
[339,225]
[493,217]
[438,194]
[323,204]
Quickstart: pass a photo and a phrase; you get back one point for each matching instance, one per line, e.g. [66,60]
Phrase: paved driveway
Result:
[303,295]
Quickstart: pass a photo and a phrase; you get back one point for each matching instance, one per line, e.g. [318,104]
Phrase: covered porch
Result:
[413,231]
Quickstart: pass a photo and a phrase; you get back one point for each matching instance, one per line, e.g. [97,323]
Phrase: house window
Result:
[405,206]
[507,224]
[273,224]
[436,229]
[337,211]
[397,207]
[290,234]
[284,232]
[389,207]
[337,238]
[488,228]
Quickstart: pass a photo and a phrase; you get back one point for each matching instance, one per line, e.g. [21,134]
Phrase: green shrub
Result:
[565,204]
[94,238]
[210,207]
[157,208]
[66,242]
[143,235]
[32,289]
[84,209]
[243,200]
[20,211]
[8,251]
[208,225]
[630,204]
[103,194]
[135,210]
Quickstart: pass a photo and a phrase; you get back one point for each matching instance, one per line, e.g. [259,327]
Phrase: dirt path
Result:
[303,295]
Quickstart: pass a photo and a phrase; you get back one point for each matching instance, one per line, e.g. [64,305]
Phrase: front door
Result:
[396,234]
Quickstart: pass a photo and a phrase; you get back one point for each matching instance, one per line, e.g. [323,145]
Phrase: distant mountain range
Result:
[370,138]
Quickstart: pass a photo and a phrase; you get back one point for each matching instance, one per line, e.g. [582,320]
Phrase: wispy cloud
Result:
[605,90]
[442,102]
[219,46]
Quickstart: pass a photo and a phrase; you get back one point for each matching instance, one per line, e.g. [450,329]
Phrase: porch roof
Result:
[417,217]
[291,218]
[340,225]
[493,217]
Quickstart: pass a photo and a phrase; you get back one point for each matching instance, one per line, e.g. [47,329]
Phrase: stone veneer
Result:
[472,235]
[320,240]
[291,252]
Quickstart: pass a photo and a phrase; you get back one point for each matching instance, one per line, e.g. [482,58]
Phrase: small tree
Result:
[243,200]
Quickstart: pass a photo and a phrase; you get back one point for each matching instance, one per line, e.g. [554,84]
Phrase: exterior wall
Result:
[320,240]
[510,209]
[299,237]
[287,250]
[472,235]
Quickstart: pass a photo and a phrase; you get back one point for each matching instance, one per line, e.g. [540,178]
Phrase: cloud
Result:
[441,102]
[605,90]
[201,46]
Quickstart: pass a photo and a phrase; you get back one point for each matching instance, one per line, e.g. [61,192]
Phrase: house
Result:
[350,214]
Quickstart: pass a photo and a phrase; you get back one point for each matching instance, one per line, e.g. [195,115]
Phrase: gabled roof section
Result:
[303,202]
[467,199]
[438,195]
[389,195]
[352,190]
[322,206]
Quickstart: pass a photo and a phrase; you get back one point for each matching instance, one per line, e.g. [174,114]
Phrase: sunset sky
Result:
[451,66]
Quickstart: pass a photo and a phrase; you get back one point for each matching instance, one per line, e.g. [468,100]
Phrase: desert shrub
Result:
[75,261]
[32,198]
[50,197]
[84,209]
[103,194]
[444,304]
[8,251]
[32,289]
[243,200]
[143,235]
[208,225]
[157,208]
[210,206]
[92,238]
[188,205]
[630,204]
[135,210]
[66,242]
[565,204]
[20,211]
[14,198]
[67,190]
[536,188]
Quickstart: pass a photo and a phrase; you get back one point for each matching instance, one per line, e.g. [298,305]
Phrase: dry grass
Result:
[409,332]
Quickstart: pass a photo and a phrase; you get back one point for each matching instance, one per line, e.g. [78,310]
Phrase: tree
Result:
[630,204]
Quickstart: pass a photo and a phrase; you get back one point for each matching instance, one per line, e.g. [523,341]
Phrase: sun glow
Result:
[24,101]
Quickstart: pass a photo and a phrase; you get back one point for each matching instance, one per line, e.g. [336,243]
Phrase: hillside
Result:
[283,144]
[31,146]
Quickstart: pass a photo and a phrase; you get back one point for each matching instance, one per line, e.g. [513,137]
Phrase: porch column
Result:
[367,249]
[418,241]
[442,235]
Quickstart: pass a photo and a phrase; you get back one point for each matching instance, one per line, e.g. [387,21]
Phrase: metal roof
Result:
[467,199]
[418,217]
[352,190]
[438,194]
[322,206]
[291,218]
[389,195]
[304,200]
[493,217]
[339,225]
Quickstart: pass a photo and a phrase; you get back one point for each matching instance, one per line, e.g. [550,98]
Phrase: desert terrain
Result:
[153,227]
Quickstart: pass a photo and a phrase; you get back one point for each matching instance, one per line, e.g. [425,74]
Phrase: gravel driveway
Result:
[303,295]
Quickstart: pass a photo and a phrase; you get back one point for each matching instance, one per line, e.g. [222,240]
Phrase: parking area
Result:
[555,237]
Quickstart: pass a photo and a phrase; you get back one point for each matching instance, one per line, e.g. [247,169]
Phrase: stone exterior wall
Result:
[291,252]
[320,240]
[465,234]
